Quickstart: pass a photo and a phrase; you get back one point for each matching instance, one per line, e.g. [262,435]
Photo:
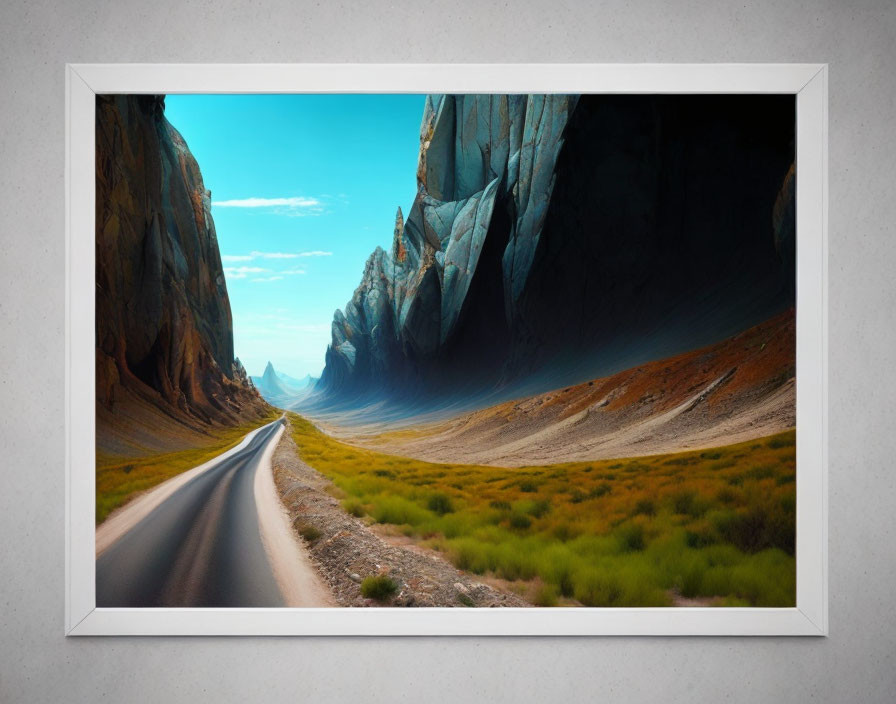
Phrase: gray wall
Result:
[856,663]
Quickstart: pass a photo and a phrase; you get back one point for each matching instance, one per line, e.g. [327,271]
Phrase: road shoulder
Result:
[299,582]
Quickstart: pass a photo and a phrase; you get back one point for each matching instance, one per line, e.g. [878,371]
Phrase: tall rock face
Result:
[555,237]
[164,334]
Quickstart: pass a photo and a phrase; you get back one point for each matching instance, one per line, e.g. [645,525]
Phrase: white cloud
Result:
[244,270]
[240,272]
[289,255]
[315,253]
[273,255]
[297,202]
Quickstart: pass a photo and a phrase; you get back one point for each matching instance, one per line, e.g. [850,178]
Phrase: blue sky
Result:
[304,187]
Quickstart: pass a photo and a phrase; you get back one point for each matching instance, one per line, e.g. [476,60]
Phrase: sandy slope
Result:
[735,390]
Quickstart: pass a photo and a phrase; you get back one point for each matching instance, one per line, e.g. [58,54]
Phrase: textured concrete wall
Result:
[855,664]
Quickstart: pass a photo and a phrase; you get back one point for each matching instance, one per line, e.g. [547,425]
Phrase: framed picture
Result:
[575,383]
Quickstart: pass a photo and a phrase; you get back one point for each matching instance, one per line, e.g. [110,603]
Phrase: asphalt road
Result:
[200,547]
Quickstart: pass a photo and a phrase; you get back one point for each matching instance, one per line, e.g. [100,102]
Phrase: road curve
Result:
[202,545]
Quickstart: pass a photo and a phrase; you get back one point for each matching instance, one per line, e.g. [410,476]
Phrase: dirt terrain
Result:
[345,550]
[733,391]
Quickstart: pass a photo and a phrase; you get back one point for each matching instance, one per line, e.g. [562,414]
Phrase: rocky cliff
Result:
[554,238]
[164,337]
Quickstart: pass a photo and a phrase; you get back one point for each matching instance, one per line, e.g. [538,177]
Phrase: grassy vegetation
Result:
[118,479]
[715,524]
[379,588]
[308,531]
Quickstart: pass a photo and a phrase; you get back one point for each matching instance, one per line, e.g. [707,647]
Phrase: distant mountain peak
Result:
[270,374]
[282,389]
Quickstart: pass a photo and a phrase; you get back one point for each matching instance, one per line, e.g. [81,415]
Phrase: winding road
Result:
[215,536]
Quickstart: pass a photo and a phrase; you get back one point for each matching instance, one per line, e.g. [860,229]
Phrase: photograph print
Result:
[560,371]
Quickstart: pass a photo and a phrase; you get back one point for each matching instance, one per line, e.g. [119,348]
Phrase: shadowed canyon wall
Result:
[554,238]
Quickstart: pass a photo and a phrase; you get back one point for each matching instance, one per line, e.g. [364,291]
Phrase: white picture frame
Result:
[808,82]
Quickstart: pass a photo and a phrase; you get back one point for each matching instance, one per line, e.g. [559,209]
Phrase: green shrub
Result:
[678,461]
[454,525]
[520,521]
[601,489]
[309,532]
[398,510]
[557,566]
[631,537]
[759,528]
[536,509]
[779,441]
[514,561]
[727,496]
[687,503]
[698,539]
[470,555]
[354,507]
[594,590]
[546,595]
[440,504]
[378,588]
[758,473]
[528,487]
[465,600]
[564,532]
[645,507]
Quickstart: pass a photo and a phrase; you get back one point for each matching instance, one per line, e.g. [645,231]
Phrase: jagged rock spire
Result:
[399,250]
